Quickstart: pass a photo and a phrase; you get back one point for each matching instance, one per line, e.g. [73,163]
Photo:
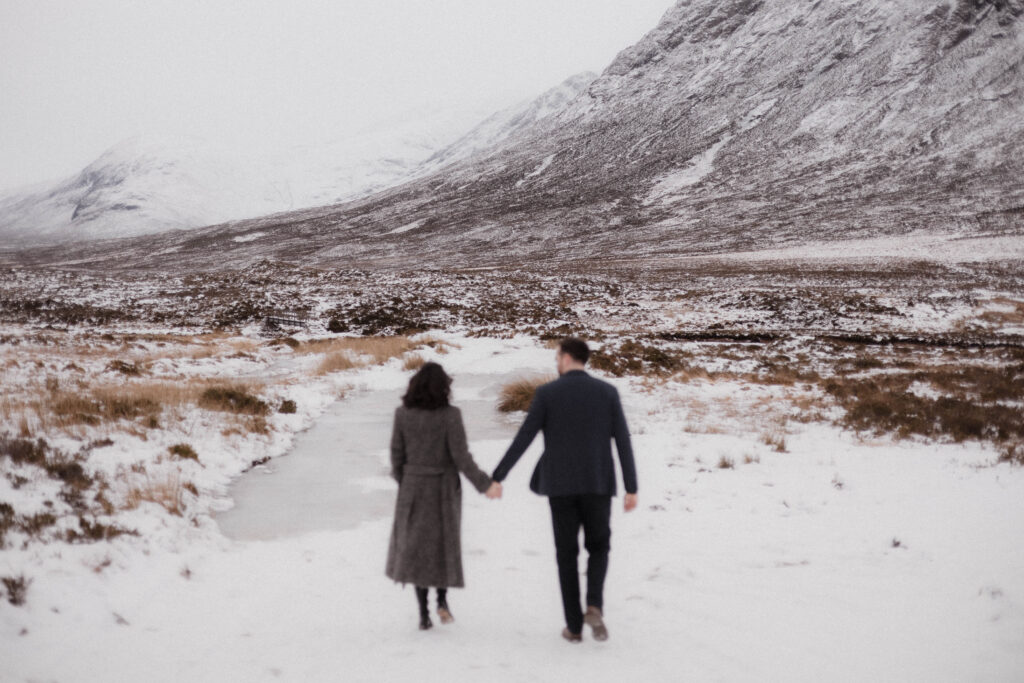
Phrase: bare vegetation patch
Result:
[81,491]
[125,368]
[439,345]
[1013,453]
[633,357]
[346,353]
[972,404]
[413,361]
[776,440]
[16,588]
[337,362]
[91,531]
[183,451]
[518,395]
[165,491]
[233,399]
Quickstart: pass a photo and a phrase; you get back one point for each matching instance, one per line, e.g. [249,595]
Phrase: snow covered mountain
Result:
[150,185]
[733,125]
[139,186]
[510,122]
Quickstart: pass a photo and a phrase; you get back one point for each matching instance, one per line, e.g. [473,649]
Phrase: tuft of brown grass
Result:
[165,491]
[184,451]
[1013,453]
[725,463]
[125,368]
[345,353]
[143,401]
[16,588]
[776,439]
[413,361]
[439,345]
[243,424]
[337,362]
[970,410]
[233,399]
[518,395]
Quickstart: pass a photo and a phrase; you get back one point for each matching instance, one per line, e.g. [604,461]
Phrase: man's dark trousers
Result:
[592,512]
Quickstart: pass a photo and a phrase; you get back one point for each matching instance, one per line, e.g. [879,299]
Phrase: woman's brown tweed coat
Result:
[428,450]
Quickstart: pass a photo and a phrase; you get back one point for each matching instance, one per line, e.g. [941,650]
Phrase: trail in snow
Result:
[331,478]
[839,560]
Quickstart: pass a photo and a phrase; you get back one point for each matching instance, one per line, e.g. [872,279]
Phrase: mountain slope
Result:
[509,123]
[139,186]
[152,184]
[733,125]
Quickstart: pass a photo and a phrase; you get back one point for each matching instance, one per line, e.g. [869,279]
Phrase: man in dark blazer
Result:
[580,415]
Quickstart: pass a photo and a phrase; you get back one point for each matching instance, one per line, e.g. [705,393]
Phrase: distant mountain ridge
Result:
[153,184]
[511,122]
[734,125]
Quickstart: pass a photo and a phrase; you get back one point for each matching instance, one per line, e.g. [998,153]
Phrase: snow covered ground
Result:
[804,554]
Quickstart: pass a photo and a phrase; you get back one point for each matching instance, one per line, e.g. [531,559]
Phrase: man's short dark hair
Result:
[575,347]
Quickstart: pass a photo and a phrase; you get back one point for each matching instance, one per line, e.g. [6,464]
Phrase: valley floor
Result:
[765,547]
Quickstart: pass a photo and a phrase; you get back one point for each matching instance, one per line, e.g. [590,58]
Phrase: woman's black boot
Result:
[442,606]
[421,597]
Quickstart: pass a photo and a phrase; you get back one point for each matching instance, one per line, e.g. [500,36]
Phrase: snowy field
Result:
[764,548]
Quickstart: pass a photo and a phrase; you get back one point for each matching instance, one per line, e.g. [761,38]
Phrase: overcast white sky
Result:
[78,76]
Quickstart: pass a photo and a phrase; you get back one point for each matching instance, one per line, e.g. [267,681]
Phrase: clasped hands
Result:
[494,492]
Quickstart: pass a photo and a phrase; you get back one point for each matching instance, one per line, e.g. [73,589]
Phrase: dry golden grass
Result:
[336,362]
[439,345]
[237,424]
[166,491]
[345,353]
[1015,316]
[519,394]
[775,439]
[413,361]
[233,398]
[133,406]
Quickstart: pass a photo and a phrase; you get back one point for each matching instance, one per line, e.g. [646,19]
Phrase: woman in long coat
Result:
[428,450]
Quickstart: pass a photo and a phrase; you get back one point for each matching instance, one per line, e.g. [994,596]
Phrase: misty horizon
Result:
[81,80]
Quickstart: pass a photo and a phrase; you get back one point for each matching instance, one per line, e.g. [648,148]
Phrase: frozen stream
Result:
[331,479]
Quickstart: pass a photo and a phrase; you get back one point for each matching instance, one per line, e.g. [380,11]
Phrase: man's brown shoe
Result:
[593,619]
[572,637]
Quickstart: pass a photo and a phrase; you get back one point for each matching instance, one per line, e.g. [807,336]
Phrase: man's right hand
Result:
[629,503]
[494,490]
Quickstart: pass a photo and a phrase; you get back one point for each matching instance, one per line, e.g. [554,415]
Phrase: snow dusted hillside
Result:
[148,185]
[140,186]
[511,122]
[732,126]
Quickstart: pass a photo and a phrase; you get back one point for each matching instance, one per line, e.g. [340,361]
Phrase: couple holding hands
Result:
[579,415]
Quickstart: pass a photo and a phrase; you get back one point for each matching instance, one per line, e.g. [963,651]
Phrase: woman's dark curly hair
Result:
[430,388]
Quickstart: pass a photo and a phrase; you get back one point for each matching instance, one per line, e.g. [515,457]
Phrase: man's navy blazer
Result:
[580,415]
